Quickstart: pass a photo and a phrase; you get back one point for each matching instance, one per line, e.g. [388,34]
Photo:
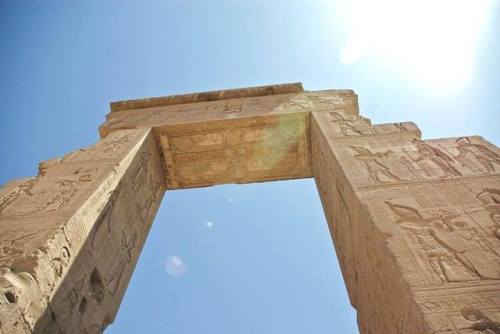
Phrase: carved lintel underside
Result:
[236,151]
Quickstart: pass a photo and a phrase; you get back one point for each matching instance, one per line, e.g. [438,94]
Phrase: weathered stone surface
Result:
[71,236]
[410,218]
[240,150]
[207,96]
[220,110]
[416,223]
[256,138]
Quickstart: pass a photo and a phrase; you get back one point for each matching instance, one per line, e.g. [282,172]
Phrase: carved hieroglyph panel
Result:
[417,236]
[401,157]
[449,230]
[462,309]
[230,109]
[60,188]
[240,150]
[78,226]
[365,260]
[109,254]
[445,236]
[342,124]
[63,183]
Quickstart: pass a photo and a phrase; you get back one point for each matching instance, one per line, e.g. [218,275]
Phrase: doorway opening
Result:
[253,258]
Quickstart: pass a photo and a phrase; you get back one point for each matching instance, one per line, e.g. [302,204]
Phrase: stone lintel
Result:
[215,95]
[251,138]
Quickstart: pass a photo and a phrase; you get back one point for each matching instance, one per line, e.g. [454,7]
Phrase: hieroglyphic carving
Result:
[429,153]
[128,243]
[267,106]
[159,115]
[374,163]
[490,197]
[113,146]
[458,244]
[410,160]
[430,233]
[328,100]
[345,124]
[470,152]
[248,150]
[117,257]
[408,215]
[46,193]
[436,215]
[67,189]
[227,108]
[59,225]
[477,322]
[23,189]
[13,248]
[349,124]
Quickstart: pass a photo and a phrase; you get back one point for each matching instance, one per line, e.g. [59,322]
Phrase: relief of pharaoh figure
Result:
[455,251]
[374,165]
[436,156]
[470,153]
[347,126]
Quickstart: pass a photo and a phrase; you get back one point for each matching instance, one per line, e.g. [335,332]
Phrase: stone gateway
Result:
[415,223]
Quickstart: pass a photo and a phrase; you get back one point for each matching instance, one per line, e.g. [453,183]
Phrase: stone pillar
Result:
[416,224]
[71,235]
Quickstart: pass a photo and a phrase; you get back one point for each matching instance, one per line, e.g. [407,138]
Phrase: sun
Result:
[434,41]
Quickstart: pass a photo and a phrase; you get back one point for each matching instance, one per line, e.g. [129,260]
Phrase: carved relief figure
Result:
[346,126]
[437,157]
[129,242]
[321,102]
[491,201]
[474,321]
[470,152]
[114,146]
[21,190]
[154,188]
[101,236]
[67,189]
[454,250]
[58,198]
[102,227]
[141,171]
[415,173]
[374,164]
[14,247]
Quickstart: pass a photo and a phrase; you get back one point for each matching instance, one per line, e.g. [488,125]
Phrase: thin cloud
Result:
[175,266]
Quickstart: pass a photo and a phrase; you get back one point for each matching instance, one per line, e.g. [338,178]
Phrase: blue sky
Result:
[264,263]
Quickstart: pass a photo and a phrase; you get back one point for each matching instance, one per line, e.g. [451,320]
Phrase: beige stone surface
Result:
[415,223]
[70,236]
[217,95]
[219,110]
[241,150]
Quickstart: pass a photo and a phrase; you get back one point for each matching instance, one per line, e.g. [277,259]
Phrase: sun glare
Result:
[432,40]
